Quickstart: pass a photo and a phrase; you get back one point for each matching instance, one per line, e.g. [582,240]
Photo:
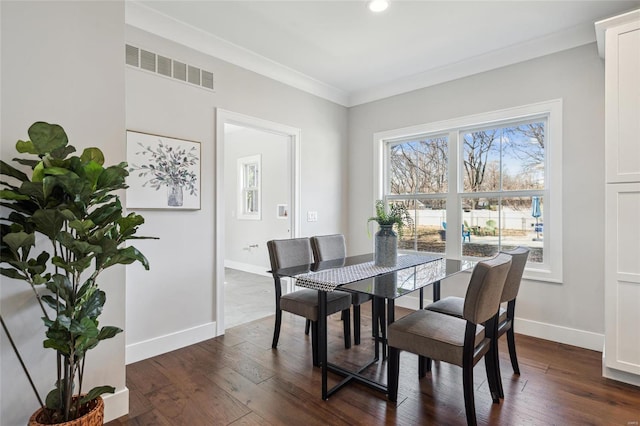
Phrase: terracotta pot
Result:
[95,417]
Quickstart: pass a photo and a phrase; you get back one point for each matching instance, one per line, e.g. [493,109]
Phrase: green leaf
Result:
[26,147]
[7,170]
[26,162]
[12,273]
[47,137]
[38,172]
[56,171]
[58,345]
[53,399]
[92,305]
[7,194]
[48,221]
[113,177]
[92,154]
[107,332]
[127,256]
[92,171]
[56,305]
[61,285]
[19,240]
[96,392]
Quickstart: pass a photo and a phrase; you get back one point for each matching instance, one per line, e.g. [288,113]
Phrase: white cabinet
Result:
[622,277]
[619,44]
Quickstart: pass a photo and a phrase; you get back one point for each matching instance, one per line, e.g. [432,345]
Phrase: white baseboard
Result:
[170,342]
[555,333]
[247,267]
[116,404]
[620,376]
[560,334]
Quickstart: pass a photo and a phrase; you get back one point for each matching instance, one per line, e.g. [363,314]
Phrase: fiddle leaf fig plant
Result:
[62,225]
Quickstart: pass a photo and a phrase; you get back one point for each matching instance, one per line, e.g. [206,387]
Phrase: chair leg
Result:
[276,330]
[492,375]
[511,342]
[346,326]
[356,324]
[307,325]
[469,403]
[314,343]
[498,374]
[424,366]
[393,373]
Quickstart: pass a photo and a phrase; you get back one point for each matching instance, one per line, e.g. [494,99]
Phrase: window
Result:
[494,178]
[249,188]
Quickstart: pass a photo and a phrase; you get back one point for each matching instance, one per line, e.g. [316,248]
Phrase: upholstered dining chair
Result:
[454,306]
[304,302]
[460,341]
[329,247]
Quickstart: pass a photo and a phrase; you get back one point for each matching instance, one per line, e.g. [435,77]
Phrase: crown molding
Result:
[556,42]
[154,22]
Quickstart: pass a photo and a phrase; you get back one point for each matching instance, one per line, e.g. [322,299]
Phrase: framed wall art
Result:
[164,172]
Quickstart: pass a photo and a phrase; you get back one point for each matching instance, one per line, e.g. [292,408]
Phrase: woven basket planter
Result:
[95,417]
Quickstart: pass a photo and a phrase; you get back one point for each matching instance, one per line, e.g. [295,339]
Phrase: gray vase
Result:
[386,253]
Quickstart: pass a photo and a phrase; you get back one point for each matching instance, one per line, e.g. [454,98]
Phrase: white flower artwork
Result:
[164,173]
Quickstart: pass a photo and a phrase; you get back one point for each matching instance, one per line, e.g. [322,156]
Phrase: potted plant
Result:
[72,202]
[386,243]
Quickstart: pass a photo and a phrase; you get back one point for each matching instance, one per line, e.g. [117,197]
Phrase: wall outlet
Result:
[312,216]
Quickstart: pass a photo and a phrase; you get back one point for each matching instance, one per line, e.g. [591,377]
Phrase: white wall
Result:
[174,304]
[571,311]
[242,235]
[61,63]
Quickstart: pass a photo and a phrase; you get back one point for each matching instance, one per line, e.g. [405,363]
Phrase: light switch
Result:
[312,216]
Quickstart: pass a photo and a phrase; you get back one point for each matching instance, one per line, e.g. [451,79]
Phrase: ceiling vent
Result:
[157,64]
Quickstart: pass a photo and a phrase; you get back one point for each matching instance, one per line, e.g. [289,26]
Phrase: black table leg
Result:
[436,291]
[421,298]
[376,329]
[322,339]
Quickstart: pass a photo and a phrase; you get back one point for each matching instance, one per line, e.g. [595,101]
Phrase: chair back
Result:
[328,247]
[485,288]
[289,252]
[514,277]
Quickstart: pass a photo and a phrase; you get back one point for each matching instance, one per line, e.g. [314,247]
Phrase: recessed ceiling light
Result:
[378,5]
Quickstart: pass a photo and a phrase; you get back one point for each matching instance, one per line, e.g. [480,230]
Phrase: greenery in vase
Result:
[71,201]
[397,216]
[168,166]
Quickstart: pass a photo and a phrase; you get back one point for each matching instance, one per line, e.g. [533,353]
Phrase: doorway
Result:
[257,196]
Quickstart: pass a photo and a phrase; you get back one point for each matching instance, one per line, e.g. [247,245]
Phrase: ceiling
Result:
[343,52]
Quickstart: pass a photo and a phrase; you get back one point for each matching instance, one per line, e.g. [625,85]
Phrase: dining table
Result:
[413,273]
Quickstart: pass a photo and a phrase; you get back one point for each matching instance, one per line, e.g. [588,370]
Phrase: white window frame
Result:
[243,162]
[551,269]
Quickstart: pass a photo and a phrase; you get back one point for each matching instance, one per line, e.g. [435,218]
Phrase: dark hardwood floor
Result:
[237,379]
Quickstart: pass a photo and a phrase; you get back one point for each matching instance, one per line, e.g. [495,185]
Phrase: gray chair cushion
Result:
[514,277]
[305,303]
[482,300]
[453,305]
[328,247]
[433,335]
[291,252]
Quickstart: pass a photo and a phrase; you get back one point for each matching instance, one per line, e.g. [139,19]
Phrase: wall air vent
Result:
[147,61]
[179,70]
[167,67]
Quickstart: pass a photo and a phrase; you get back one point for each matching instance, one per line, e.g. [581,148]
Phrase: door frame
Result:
[229,117]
